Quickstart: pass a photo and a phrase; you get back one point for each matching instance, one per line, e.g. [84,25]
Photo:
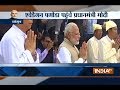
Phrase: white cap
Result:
[110,24]
[97,27]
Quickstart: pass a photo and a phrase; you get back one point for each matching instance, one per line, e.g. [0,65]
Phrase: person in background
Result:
[39,25]
[108,45]
[45,49]
[68,52]
[102,22]
[118,53]
[92,44]
[18,44]
[88,26]
[53,28]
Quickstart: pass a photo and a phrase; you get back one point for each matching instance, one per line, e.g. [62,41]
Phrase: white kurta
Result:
[106,54]
[92,45]
[12,47]
[64,56]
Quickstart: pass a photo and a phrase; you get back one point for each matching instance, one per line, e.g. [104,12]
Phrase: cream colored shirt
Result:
[92,45]
[106,54]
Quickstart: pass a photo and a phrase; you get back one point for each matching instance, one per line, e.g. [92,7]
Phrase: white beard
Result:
[77,43]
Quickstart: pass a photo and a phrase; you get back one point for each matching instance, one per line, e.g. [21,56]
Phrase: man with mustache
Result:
[68,52]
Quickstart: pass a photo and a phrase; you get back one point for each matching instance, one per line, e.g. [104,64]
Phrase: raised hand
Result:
[30,42]
[83,50]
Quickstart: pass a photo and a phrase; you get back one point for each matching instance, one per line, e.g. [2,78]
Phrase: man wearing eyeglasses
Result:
[45,49]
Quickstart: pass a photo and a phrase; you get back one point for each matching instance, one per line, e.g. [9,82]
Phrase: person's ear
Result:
[68,34]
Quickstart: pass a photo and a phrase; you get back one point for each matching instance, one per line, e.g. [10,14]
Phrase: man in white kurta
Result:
[92,44]
[68,52]
[12,47]
[64,55]
[107,45]
[107,54]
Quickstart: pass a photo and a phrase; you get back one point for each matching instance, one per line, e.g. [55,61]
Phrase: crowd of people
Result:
[61,41]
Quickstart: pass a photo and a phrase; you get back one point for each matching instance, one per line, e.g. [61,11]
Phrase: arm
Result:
[15,53]
[92,57]
[103,55]
[64,56]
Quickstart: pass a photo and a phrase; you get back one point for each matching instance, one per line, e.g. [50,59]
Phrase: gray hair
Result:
[69,27]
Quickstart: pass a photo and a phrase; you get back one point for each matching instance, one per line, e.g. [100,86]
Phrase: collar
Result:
[19,31]
[112,41]
[95,38]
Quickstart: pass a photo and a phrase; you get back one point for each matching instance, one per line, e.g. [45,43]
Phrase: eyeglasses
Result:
[48,41]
